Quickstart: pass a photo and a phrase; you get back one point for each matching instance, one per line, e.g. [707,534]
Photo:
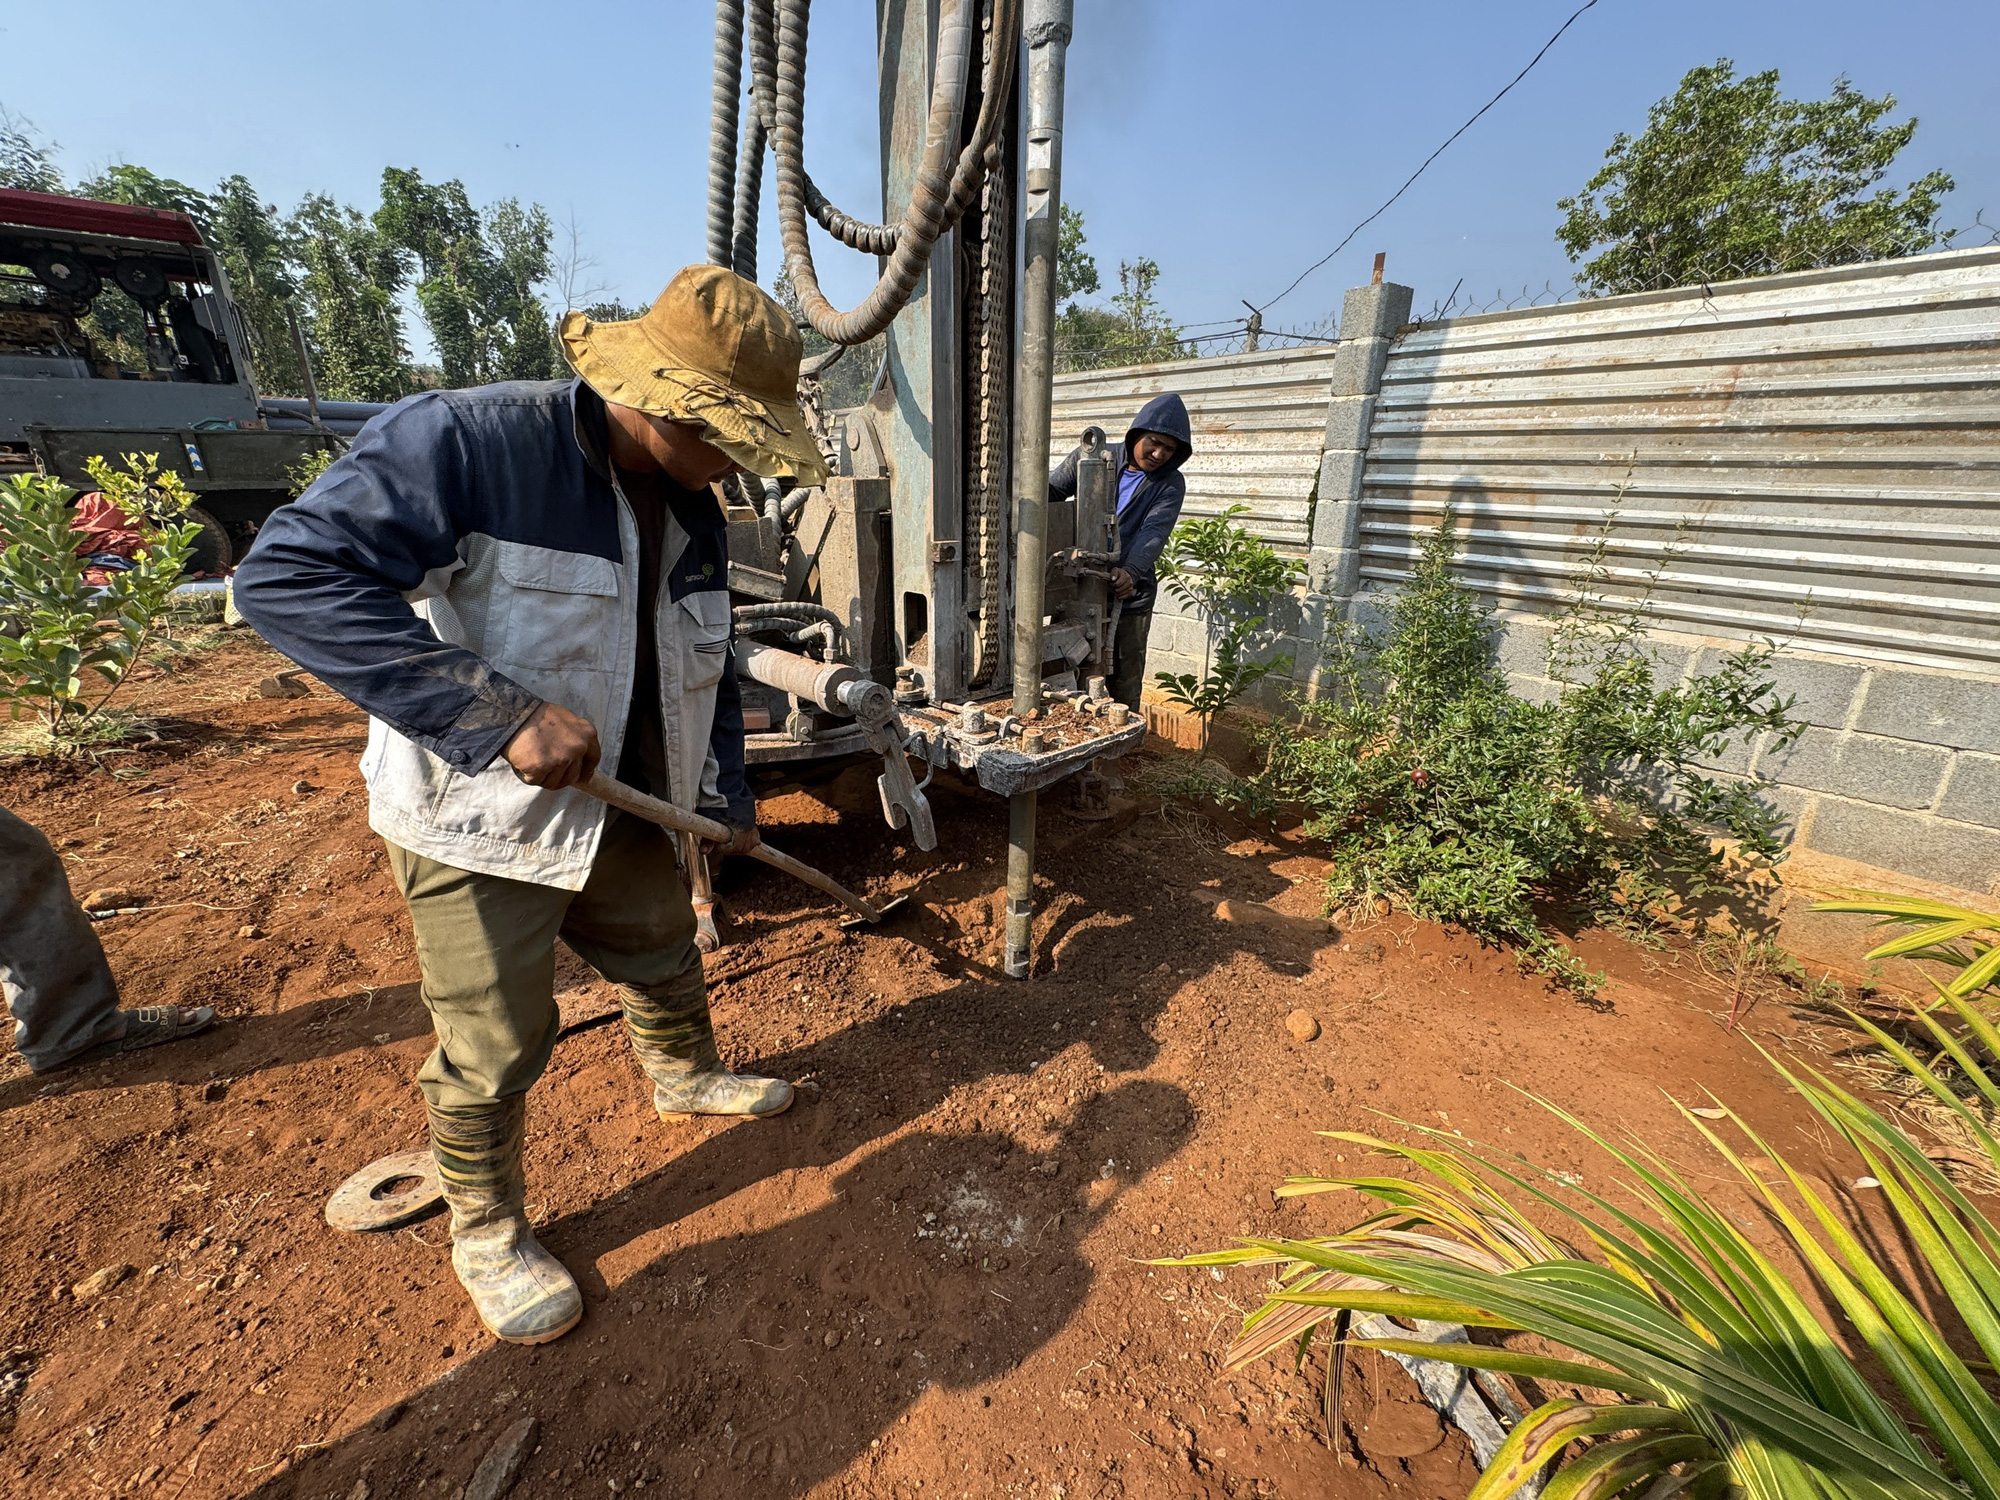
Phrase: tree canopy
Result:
[1133,330]
[472,273]
[1730,178]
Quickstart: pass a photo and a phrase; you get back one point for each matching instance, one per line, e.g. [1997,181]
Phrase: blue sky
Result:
[1233,142]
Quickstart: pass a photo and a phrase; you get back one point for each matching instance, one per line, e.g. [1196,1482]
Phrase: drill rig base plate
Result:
[1074,733]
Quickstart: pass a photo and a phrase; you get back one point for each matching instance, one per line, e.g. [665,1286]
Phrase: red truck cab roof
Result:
[85,216]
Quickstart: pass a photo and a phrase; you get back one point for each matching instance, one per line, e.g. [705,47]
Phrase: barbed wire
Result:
[1460,303]
[1071,357]
[1237,337]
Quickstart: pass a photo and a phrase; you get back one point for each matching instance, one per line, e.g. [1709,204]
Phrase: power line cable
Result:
[1431,158]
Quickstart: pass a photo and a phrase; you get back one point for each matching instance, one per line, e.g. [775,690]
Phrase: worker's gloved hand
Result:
[555,748]
[742,841]
[1122,584]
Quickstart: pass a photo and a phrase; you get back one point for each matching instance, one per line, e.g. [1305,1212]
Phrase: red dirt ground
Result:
[924,1280]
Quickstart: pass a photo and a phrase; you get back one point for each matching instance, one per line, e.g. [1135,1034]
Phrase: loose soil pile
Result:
[925,1280]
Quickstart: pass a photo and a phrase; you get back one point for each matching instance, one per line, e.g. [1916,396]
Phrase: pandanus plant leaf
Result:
[1731,1381]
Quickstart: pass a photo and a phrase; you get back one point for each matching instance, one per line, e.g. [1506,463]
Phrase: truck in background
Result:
[66,397]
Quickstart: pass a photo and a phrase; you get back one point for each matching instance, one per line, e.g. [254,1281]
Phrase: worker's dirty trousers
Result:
[1128,667]
[487,949]
[59,990]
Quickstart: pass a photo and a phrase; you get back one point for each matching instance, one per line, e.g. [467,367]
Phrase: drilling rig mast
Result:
[929,603]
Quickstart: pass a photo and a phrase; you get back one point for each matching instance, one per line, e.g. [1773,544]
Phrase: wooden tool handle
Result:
[812,877]
[653,810]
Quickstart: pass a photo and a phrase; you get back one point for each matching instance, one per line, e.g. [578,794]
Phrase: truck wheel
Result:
[212,552]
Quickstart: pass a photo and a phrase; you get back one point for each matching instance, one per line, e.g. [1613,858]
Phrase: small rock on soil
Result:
[502,1465]
[100,1281]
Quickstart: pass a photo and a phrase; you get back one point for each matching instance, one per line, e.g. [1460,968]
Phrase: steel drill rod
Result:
[1020,958]
[680,820]
[1047,28]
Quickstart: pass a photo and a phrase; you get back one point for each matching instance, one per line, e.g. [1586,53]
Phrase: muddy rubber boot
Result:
[521,1292]
[675,1041]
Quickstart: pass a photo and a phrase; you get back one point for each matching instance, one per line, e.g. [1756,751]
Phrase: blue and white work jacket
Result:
[469,558]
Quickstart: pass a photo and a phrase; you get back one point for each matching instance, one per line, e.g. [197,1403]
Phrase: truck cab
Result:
[163,367]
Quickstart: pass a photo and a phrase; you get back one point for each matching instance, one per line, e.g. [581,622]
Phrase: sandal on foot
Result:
[149,1026]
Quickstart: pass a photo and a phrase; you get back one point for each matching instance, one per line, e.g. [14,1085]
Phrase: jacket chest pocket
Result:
[562,608]
[704,622]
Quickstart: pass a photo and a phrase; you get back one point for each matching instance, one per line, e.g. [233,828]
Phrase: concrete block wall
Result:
[1898,767]
[1896,775]
[1294,627]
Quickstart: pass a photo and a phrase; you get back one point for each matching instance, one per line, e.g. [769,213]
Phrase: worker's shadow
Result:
[767,1361]
[237,1047]
[865,1080]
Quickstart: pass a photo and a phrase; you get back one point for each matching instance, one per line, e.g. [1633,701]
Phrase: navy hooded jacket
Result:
[1144,524]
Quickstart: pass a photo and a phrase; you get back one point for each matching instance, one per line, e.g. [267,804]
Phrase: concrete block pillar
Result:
[1369,318]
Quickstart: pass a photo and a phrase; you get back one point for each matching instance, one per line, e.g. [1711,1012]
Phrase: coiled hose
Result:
[923,221]
[749,182]
[943,187]
[735,175]
[981,154]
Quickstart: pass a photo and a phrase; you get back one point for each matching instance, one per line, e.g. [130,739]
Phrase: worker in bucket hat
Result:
[518,582]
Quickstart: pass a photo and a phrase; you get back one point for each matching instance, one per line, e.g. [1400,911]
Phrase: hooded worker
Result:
[517,581]
[1150,491]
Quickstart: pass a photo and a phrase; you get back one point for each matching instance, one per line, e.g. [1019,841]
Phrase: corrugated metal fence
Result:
[1814,456]
[1259,421]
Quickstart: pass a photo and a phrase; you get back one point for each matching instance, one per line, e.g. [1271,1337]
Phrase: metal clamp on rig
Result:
[840,689]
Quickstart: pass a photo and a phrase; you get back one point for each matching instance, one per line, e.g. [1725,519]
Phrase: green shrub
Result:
[64,636]
[1228,577]
[1441,791]
[301,474]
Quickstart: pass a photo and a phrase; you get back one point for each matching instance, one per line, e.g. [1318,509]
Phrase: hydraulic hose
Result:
[722,192]
[752,614]
[749,183]
[923,222]
[981,153]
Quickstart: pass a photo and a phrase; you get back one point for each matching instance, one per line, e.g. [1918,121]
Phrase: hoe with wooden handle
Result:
[678,820]
[373,1198]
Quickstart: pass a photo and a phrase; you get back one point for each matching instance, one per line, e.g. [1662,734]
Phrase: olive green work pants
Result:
[486,946]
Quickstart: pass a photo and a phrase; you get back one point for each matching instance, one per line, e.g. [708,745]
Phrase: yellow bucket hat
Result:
[716,349]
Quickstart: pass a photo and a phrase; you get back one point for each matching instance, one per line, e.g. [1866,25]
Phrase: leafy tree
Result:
[257,251]
[125,183]
[351,279]
[614,311]
[1731,179]
[1134,330]
[345,273]
[477,276]
[1076,267]
[27,159]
